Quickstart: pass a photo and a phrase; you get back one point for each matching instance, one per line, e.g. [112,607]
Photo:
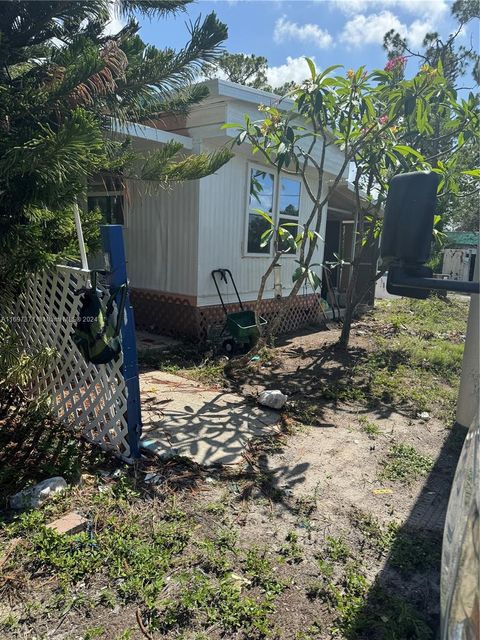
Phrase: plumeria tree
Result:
[365,115]
[460,62]
[409,145]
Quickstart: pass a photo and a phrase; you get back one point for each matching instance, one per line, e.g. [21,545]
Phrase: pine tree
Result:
[249,70]
[63,83]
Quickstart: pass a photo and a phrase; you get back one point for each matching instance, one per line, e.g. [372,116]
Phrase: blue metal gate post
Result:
[114,248]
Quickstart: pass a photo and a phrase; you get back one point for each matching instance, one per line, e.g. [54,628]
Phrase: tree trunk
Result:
[351,300]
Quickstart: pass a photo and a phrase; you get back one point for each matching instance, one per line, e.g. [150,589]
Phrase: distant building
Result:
[459,255]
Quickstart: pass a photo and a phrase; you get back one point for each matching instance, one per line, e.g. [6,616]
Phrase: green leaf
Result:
[313,279]
[420,120]
[241,137]
[264,215]
[265,237]
[475,173]
[328,70]
[318,102]
[405,150]
[369,107]
[298,273]
[290,134]
[231,125]
[409,105]
[311,66]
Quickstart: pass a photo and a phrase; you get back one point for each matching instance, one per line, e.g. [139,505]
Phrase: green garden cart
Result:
[240,332]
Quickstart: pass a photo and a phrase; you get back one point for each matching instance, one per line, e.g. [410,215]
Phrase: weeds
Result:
[312,633]
[378,537]
[206,602]
[409,551]
[405,464]
[212,559]
[292,550]
[337,549]
[93,633]
[187,361]
[413,552]
[260,570]
[417,368]
[389,617]
[370,428]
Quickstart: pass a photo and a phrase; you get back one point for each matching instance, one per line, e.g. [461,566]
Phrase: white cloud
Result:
[312,33]
[370,29]
[417,31]
[295,69]
[432,8]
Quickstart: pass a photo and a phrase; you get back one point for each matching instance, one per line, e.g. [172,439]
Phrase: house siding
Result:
[222,220]
[161,237]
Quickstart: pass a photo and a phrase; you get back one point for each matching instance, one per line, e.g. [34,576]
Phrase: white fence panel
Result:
[91,399]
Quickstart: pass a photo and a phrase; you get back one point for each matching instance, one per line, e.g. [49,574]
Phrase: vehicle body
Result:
[460,580]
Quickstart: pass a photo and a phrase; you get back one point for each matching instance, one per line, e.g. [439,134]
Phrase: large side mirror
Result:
[407,237]
[408,221]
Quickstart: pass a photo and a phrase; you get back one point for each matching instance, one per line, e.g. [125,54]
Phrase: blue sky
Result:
[348,32]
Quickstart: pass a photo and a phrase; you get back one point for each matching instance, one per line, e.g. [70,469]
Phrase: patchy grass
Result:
[186,360]
[414,552]
[434,317]
[178,583]
[388,617]
[292,550]
[363,611]
[369,427]
[419,363]
[405,464]
[414,360]
[376,536]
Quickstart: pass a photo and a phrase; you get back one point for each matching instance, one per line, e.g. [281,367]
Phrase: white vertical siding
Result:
[161,237]
[222,220]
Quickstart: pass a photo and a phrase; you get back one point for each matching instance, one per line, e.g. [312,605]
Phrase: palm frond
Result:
[151,8]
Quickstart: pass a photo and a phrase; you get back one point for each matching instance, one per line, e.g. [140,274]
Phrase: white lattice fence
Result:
[91,399]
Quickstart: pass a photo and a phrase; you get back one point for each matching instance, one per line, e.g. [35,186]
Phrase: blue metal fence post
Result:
[114,248]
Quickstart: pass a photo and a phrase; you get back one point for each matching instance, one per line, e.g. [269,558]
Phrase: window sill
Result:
[269,256]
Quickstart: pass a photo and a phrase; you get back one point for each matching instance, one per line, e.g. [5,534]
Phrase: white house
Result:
[174,239]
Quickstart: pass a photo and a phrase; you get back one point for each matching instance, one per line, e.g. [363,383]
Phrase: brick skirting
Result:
[178,316]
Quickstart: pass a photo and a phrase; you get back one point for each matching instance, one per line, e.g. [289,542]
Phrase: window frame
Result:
[288,217]
[252,166]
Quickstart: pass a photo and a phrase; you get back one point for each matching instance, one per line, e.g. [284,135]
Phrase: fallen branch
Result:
[142,627]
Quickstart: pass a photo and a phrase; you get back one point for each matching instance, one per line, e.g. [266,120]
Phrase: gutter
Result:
[144,132]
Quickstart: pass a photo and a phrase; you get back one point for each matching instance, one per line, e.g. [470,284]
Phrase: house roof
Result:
[461,239]
[144,132]
[227,89]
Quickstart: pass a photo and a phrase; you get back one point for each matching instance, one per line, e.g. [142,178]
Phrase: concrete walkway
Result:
[208,425]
